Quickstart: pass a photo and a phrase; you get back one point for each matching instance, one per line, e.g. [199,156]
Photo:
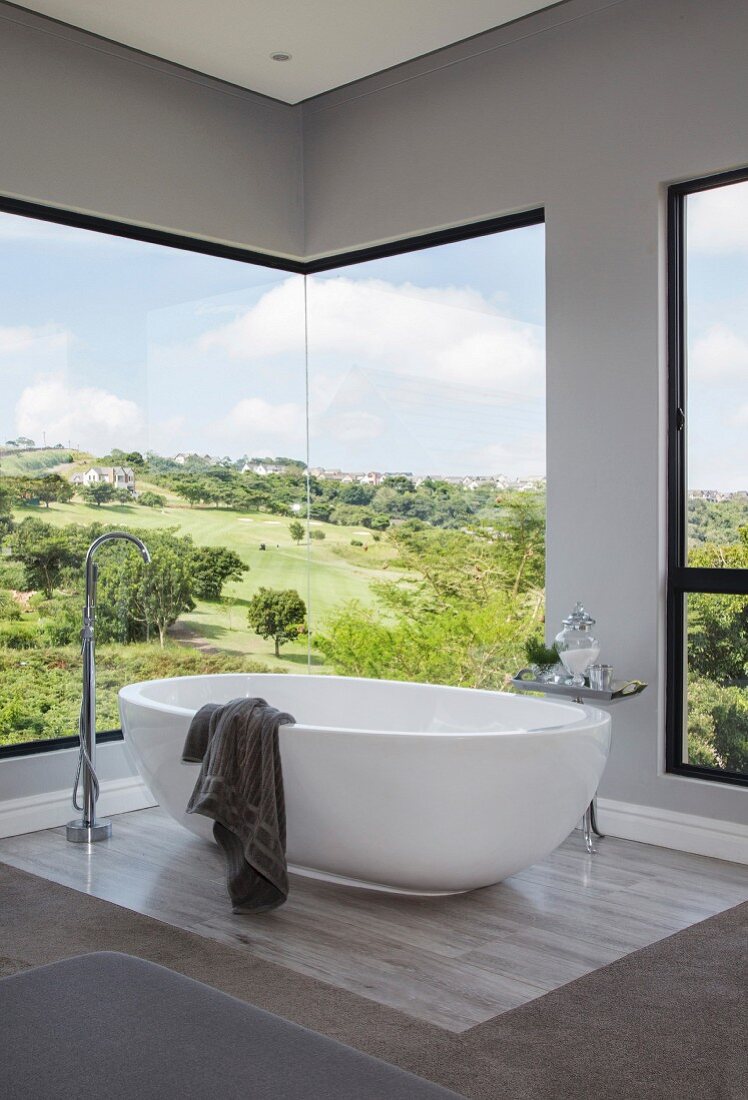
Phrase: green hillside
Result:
[34,463]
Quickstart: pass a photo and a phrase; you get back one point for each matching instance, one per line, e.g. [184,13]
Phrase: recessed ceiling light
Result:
[280,55]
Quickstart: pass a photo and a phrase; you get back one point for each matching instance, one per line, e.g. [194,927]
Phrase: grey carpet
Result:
[150,1034]
[663,1023]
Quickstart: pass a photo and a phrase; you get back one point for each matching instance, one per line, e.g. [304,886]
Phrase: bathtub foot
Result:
[589,831]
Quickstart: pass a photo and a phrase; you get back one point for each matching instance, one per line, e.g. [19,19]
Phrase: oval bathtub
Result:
[408,787]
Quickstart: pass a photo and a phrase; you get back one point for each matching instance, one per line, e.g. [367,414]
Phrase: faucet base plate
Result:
[78,832]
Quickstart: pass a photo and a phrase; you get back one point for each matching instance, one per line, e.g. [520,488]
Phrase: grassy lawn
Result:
[337,572]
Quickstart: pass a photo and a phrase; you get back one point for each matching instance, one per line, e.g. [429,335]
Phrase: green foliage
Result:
[152,500]
[45,554]
[297,530]
[10,609]
[538,653]
[51,488]
[317,533]
[718,624]
[33,463]
[135,599]
[11,574]
[18,635]
[40,689]
[278,614]
[479,645]
[462,616]
[716,522]
[717,725]
[212,568]
[100,492]
[6,515]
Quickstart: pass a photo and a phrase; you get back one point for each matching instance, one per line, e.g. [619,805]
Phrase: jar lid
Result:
[579,619]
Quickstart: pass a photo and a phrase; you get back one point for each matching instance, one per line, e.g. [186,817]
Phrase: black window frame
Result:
[467,231]
[683,579]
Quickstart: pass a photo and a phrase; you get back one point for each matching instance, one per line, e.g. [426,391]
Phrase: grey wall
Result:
[92,126]
[590,115]
[589,109]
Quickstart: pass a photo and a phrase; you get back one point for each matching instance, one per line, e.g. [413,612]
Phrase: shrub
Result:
[356,542]
[152,500]
[317,533]
[12,575]
[9,607]
[18,635]
[63,626]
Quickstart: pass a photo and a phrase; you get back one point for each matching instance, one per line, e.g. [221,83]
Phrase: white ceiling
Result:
[332,42]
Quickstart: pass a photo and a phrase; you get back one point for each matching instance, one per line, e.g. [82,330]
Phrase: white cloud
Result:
[85,415]
[719,356]
[524,455]
[273,326]
[448,334]
[718,219]
[254,424]
[350,427]
[22,338]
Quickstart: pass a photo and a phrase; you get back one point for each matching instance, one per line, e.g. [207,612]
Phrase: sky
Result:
[717,319]
[428,363]
[431,362]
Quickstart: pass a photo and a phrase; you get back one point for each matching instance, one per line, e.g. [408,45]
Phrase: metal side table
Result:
[621,689]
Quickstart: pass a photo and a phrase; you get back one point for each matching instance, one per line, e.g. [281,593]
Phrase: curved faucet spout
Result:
[109,536]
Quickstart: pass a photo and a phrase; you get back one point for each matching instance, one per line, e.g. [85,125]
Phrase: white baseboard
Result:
[684,832]
[54,808]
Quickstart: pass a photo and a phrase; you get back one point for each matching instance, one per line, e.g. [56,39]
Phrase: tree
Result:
[297,530]
[53,489]
[100,492]
[138,598]
[45,554]
[212,567]
[278,614]
[152,500]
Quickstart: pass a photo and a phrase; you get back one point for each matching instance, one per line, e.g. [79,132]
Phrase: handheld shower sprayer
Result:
[87,829]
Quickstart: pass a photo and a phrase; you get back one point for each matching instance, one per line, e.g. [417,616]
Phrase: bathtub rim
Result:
[589,716]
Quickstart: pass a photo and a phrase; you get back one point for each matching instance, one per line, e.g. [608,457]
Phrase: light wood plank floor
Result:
[453,961]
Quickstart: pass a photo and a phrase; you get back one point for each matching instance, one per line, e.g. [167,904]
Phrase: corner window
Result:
[340,472]
[707,720]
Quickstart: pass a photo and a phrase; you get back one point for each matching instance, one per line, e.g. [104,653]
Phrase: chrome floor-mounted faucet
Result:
[87,829]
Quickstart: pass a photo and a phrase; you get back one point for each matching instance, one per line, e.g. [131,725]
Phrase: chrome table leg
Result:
[588,831]
[593,819]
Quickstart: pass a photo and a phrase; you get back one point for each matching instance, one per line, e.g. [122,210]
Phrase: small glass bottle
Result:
[577,647]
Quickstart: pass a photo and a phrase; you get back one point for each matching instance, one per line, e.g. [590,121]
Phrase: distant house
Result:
[121,477]
[180,459]
[77,479]
[262,469]
[372,478]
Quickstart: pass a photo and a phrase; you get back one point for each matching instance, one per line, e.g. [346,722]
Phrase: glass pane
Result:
[427,444]
[166,393]
[717,697]
[156,391]
[717,379]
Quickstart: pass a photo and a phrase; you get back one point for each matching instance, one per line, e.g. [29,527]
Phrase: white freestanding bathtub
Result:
[408,787]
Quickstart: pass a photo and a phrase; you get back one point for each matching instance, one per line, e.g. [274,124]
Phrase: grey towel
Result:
[240,787]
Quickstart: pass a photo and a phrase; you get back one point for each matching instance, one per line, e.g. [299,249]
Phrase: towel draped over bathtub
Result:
[240,787]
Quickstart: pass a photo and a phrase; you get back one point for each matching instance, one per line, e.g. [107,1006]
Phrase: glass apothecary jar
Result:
[577,646]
